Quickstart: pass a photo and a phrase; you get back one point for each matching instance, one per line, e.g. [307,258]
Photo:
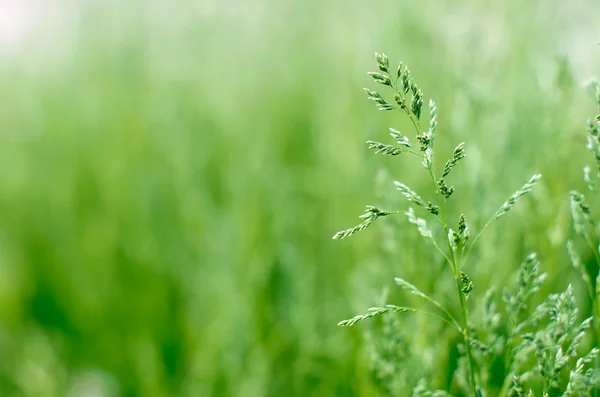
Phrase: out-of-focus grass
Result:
[172,175]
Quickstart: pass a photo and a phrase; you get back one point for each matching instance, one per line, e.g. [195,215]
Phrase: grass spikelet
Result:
[406,80]
[420,223]
[370,215]
[388,150]
[467,284]
[382,104]
[580,212]
[409,194]
[383,62]
[381,78]
[409,287]
[587,177]
[517,388]
[580,379]
[444,189]
[400,139]
[373,312]
[461,237]
[593,143]
[426,140]
[417,102]
[459,154]
[593,128]
[577,265]
[528,283]
[432,116]
[508,204]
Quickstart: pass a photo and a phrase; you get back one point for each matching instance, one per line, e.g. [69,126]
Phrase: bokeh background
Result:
[171,174]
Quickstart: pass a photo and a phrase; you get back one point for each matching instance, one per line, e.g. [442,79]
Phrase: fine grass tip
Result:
[409,194]
[536,344]
[400,139]
[459,154]
[420,223]
[370,215]
[526,188]
[382,148]
[373,312]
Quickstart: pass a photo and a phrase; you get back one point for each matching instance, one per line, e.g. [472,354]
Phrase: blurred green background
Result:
[172,174]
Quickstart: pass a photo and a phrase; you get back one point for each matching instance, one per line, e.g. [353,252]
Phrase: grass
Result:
[554,342]
[171,177]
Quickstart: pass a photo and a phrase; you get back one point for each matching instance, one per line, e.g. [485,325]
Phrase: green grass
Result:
[172,175]
[548,330]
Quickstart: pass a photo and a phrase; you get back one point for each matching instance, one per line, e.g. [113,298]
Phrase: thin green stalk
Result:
[446,312]
[415,124]
[478,235]
[456,270]
[507,362]
[597,329]
[442,252]
[463,305]
[452,321]
[451,260]
[435,187]
[466,336]
[591,245]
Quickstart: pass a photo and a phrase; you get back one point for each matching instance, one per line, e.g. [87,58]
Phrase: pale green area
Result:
[171,176]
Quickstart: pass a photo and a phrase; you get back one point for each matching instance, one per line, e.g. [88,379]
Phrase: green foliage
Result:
[403,86]
[583,379]
[555,346]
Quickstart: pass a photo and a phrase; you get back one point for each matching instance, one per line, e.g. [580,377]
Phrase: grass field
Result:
[172,175]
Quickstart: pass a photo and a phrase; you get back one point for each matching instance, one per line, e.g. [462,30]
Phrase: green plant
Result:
[584,224]
[550,332]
